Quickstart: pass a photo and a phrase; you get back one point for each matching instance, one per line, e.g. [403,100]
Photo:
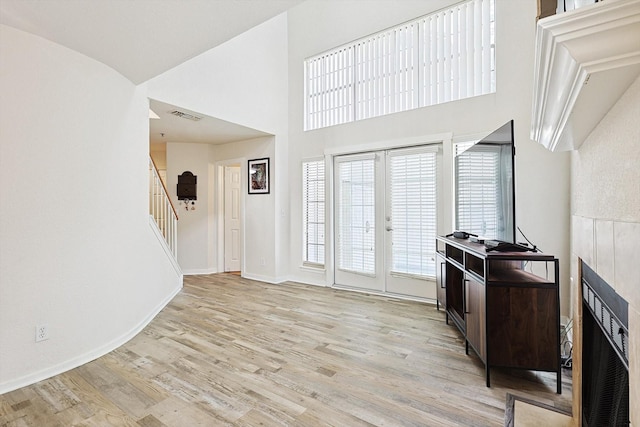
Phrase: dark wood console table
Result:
[504,303]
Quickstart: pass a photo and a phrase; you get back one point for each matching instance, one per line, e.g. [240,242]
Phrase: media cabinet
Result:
[509,315]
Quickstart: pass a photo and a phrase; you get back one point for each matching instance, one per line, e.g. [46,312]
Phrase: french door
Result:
[386,221]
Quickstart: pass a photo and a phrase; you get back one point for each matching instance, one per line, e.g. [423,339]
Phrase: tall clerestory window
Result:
[444,56]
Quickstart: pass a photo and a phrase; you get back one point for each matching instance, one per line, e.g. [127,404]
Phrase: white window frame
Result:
[444,56]
[318,197]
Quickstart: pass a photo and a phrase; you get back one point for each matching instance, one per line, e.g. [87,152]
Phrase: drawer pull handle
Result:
[464,296]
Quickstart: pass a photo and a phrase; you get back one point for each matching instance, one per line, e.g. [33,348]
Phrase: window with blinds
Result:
[444,56]
[329,88]
[413,197]
[356,244]
[386,72]
[478,193]
[313,183]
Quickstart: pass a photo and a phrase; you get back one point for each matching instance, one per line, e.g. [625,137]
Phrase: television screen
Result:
[484,186]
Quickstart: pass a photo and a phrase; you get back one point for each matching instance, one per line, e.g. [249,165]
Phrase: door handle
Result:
[389,228]
[442,284]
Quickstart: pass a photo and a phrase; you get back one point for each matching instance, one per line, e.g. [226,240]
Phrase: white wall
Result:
[243,81]
[199,232]
[542,178]
[76,249]
[259,236]
[194,228]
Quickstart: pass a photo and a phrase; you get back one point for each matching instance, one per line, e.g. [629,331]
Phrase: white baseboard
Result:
[266,279]
[308,282]
[87,357]
[200,271]
[430,301]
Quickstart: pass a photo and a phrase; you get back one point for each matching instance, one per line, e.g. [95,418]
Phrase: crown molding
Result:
[585,60]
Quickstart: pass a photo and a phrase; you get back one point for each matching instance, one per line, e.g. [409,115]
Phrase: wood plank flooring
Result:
[228,351]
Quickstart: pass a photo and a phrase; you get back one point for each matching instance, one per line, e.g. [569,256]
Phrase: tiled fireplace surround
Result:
[587,101]
[605,225]
[608,236]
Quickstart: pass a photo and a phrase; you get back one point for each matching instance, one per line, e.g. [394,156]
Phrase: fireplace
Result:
[605,353]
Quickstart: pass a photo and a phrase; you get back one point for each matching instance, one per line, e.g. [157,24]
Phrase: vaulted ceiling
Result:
[144,38]
[139,38]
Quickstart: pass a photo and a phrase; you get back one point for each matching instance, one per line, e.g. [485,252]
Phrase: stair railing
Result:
[162,210]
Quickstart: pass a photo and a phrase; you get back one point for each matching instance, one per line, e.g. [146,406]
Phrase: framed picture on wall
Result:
[259,176]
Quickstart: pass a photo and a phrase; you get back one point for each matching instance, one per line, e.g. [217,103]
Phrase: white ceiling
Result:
[208,130]
[139,38]
[144,38]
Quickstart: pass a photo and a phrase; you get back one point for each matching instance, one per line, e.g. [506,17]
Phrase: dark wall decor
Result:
[187,183]
[187,189]
[259,176]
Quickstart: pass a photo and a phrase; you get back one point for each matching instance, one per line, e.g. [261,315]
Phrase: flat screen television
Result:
[484,186]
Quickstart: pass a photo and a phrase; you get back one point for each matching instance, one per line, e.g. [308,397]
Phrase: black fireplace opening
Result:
[605,380]
[605,365]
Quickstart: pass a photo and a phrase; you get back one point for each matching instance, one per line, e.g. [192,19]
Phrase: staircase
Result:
[162,211]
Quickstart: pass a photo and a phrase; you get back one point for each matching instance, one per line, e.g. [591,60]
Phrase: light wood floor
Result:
[231,351]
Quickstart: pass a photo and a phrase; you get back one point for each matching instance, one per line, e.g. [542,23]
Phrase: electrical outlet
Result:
[42,333]
[263,261]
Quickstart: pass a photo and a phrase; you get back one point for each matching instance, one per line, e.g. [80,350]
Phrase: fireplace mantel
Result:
[585,60]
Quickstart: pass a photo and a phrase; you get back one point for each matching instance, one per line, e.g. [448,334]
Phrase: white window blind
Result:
[387,72]
[413,193]
[355,245]
[313,183]
[444,56]
[329,88]
[478,192]
[458,52]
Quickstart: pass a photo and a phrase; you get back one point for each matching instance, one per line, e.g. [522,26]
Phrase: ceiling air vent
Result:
[184,115]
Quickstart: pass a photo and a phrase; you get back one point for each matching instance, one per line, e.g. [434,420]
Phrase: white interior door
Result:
[232,235]
[386,221]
